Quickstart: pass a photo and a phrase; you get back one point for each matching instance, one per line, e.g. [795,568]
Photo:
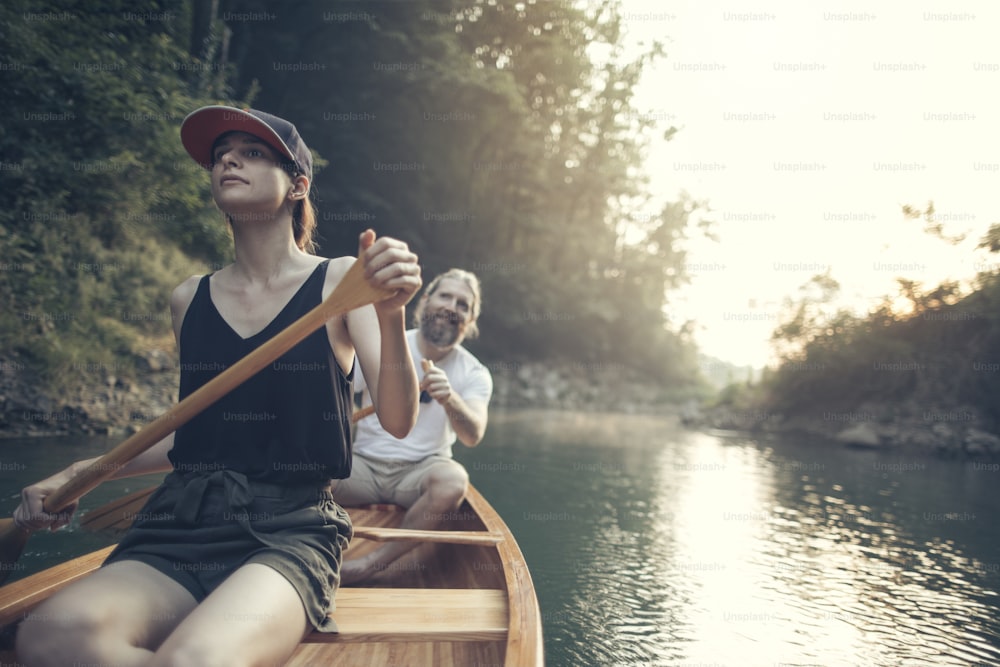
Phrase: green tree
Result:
[98,199]
[499,136]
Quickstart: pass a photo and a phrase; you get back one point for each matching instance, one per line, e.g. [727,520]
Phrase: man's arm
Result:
[468,418]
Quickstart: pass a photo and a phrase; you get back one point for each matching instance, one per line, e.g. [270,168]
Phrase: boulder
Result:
[859,435]
[979,442]
[154,361]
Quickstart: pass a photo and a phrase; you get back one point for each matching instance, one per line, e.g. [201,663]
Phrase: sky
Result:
[806,127]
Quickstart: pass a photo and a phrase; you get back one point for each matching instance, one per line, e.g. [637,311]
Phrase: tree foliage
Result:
[97,194]
[495,135]
[931,346]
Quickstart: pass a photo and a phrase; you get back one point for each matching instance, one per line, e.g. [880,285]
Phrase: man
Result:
[418,471]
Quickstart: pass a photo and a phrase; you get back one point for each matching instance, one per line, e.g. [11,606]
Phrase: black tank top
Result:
[289,423]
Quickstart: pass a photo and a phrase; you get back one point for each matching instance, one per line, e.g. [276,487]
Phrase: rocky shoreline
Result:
[115,405]
[949,431]
[108,403]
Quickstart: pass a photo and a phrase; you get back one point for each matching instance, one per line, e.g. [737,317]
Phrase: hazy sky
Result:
[806,127]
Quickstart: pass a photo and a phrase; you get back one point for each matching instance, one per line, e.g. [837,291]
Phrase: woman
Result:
[237,555]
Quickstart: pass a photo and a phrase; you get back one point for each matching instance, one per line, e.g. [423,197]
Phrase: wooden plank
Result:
[378,534]
[417,615]
[396,654]
[362,614]
[117,515]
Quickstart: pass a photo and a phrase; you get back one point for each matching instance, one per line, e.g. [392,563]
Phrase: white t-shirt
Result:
[433,433]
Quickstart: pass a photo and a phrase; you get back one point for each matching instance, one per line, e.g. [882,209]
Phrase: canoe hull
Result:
[471,604]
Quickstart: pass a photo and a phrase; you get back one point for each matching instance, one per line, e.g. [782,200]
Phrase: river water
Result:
[652,545]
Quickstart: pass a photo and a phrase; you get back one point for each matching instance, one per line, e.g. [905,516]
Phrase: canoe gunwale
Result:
[523,637]
[524,634]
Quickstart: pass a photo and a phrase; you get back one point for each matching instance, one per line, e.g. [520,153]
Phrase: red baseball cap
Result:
[204,126]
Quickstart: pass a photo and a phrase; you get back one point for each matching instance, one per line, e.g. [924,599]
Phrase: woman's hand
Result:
[30,514]
[389,264]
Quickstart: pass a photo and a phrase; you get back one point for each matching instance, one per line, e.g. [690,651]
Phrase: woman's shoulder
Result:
[180,300]
[336,269]
[184,293]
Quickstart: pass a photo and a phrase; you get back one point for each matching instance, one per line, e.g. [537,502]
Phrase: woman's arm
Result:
[378,333]
[30,513]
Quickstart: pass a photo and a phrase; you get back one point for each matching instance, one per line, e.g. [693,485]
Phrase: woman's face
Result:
[247,176]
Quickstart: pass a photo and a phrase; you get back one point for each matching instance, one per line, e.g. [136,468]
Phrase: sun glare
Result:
[807,128]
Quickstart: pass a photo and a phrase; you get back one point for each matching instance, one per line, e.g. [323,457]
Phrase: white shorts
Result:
[379,481]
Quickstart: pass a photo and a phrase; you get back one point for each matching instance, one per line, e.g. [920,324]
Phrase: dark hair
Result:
[303,215]
[304,225]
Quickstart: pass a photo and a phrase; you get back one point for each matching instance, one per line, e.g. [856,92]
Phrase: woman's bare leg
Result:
[117,616]
[254,618]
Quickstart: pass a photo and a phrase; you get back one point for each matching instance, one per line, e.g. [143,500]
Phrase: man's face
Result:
[447,313]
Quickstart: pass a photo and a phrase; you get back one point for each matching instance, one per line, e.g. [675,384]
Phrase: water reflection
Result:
[650,545]
[665,547]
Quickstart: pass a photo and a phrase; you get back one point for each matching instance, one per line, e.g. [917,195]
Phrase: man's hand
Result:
[435,382]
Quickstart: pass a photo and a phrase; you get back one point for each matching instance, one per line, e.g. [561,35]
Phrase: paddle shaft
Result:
[352,292]
[118,514]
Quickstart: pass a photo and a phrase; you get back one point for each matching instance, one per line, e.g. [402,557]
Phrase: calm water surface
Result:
[650,545]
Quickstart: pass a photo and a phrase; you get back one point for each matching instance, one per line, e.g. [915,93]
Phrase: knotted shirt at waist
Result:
[206,497]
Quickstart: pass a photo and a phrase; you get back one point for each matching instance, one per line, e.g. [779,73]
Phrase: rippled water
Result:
[650,545]
[653,546]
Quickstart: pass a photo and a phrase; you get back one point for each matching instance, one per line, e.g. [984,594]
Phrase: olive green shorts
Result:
[198,528]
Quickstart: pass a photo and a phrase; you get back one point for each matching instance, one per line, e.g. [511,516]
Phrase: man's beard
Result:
[440,330]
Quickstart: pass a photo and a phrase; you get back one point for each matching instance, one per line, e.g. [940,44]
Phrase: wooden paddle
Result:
[117,515]
[352,292]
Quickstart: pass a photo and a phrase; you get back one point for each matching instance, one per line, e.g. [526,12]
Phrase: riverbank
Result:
[945,430]
[102,401]
[106,402]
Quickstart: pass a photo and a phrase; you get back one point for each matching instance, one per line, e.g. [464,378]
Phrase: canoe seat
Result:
[417,614]
[362,614]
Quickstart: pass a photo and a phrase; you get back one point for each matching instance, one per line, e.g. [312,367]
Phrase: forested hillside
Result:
[497,136]
[922,369]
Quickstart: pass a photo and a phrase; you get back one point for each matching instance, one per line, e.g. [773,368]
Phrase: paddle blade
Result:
[353,291]
[12,542]
[115,517]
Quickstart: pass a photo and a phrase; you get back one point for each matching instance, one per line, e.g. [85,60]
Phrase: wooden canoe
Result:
[446,603]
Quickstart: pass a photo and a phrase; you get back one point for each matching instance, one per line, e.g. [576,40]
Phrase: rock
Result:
[979,442]
[948,436]
[154,361]
[859,435]
[691,414]
[918,438]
